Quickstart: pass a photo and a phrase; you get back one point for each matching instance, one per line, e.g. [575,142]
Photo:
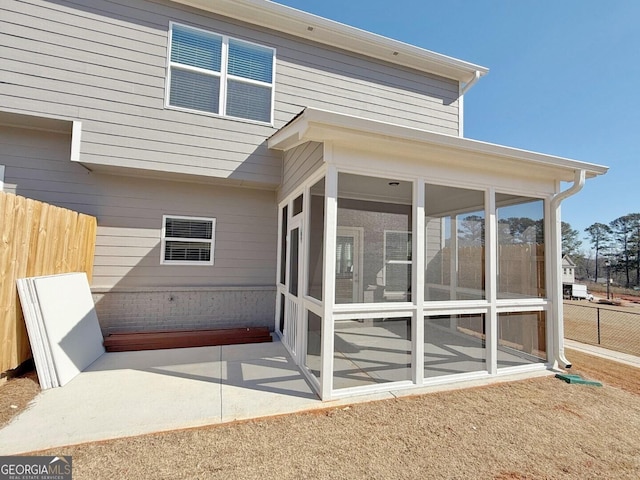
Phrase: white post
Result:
[491,281]
[555,323]
[417,285]
[328,276]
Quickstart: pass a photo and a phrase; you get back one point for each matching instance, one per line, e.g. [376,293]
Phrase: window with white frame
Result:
[187,240]
[220,75]
[397,263]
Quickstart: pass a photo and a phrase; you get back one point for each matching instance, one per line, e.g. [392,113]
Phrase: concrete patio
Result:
[133,393]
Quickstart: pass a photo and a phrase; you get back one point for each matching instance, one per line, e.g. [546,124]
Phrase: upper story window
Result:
[220,75]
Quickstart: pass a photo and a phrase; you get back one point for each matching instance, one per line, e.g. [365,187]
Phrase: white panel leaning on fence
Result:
[62,325]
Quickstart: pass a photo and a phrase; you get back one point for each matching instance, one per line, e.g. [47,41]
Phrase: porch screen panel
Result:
[373,261]
[294,244]
[454,344]
[313,359]
[521,338]
[316,241]
[454,243]
[371,351]
[284,228]
[521,249]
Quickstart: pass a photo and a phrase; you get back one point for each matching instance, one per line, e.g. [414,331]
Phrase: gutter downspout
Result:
[470,83]
[556,260]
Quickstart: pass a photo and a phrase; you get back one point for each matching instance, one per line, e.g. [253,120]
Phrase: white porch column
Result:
[417,285]
[555,316]
[453,260]
[491,281]
[328,276]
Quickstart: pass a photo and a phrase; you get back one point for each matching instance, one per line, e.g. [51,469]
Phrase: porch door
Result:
[294,309]
[348,265]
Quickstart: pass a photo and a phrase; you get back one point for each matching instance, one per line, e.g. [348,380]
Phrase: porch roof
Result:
[326,126]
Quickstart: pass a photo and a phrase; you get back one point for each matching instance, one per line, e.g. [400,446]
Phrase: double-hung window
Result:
[220,75]
[397,264]
[187,240]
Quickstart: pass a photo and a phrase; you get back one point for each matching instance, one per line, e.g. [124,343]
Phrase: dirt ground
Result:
[535,429]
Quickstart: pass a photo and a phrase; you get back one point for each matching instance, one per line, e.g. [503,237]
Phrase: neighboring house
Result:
[250,164]
[568,270]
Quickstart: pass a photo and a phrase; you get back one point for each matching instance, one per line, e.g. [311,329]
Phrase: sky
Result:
[564,79]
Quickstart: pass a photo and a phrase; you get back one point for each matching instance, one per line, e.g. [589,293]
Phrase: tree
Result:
[570,241]
[520,230]
[471,230]
[623,229]
[634,243]
[600,238]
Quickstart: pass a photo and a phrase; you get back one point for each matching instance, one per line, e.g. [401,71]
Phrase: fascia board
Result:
[315,28]
[289,136]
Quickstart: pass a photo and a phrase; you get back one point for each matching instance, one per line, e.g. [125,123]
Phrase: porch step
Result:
[156,340]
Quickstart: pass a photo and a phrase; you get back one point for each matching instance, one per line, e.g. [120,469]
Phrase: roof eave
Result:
[315,28]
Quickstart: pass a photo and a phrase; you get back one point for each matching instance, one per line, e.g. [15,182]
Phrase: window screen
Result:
[188,240]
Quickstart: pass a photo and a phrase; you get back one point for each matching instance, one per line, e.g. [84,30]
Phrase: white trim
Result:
[223,75]
[76,139]
[1,178]
[371,314]
[521,308]
[417,279]
[460,112]
[329,275]
[375,388]
[164,239]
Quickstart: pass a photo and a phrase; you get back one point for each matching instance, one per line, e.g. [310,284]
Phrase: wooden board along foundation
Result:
[156,340]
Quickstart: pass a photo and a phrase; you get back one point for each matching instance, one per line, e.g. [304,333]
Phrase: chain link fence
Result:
[607,327]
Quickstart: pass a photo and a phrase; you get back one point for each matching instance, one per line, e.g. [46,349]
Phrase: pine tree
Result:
[600,238]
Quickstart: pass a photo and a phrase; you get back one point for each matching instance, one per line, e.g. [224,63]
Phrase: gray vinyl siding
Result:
[103,62]
[129,212]
[299,164]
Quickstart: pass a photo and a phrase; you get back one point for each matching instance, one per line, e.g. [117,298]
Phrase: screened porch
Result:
[403,263]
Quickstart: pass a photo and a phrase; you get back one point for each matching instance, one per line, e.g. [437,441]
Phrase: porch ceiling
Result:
[381,137]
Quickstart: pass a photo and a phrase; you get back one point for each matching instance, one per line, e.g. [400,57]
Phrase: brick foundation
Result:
[185,308]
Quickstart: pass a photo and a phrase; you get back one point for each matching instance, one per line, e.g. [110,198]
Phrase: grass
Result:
[535,429]
[618,326]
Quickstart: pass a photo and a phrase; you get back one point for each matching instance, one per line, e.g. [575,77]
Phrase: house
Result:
[568,270]
[251,164]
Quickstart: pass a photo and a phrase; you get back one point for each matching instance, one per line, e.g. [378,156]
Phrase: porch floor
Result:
[132,393]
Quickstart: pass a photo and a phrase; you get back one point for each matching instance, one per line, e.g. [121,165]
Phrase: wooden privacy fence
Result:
[36,239]
[520,267]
